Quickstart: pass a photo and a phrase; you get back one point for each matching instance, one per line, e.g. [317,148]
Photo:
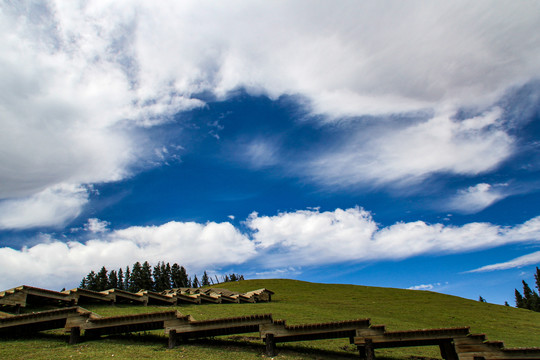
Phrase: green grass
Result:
[298,302]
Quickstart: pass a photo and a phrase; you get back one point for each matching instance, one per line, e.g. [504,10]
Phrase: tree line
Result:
[530,298]
[145,277]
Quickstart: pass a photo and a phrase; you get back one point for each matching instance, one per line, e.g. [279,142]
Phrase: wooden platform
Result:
[455,343]
[23,296]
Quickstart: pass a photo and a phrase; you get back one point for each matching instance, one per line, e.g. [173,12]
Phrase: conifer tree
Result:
[205,280]
[102,279]
[136,278]
[175,276]
[519,299]
[167,282]
[120,279]
[113,280]
[91,281]
[146,276]
[527,296]
[184,277]
[195,282]
[537,279]
[157,277]
[127,279]
[82,285]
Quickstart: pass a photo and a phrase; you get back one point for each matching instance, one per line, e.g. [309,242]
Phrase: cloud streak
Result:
[525,260]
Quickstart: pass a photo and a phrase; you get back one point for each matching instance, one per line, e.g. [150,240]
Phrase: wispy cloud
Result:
[478,197]
[398,154]
[525,260]
[54,206]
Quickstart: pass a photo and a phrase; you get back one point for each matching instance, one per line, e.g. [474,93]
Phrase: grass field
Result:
[297,302]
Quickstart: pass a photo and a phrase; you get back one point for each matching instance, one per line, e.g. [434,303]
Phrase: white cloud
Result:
[57,264]
[312,237]
[397,155]
[96,226]
[424,286]
[476,198]
[80,79]
[53,206]
[525,260]
[277,245]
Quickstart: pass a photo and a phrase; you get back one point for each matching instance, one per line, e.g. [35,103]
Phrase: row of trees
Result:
[145,277]
[530,298]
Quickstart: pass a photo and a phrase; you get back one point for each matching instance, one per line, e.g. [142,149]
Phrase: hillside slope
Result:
[302,302]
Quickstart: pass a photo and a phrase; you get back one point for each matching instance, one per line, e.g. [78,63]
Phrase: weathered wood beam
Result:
[271,349]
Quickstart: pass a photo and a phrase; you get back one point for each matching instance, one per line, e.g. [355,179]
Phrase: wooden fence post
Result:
[270,345]
[370,350]
[172,339]
[74,335]
[448,351]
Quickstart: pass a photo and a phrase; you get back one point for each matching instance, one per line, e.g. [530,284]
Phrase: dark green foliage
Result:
[530,299]
[120,279]
[146,277]
[233,277]
[102,280]
[178,276]
[195,283]
[127,279]
[519,299]
[91,281]
[113,280]
[205,281]
[162,277]
[136,278]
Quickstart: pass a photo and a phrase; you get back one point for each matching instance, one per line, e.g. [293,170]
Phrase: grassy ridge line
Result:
[302,302]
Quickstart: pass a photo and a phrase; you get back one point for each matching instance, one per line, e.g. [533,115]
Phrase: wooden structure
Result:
[454,343]
[24,295]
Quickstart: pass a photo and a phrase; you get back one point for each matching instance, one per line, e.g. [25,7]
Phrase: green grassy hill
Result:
[301,302]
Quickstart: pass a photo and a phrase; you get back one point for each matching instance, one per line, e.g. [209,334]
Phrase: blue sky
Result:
[381,143]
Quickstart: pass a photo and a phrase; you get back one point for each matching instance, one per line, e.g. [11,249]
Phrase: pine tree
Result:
[527,296]
[113,280]
[102,279]
[120,279]
[146,274]
[157,277]
[175,276]
[519,299]
[205,280]
[127,280]
[195,282]
[82,285]
[186,281]
[167,282]
[91,281]
[136,278]
[537,278]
